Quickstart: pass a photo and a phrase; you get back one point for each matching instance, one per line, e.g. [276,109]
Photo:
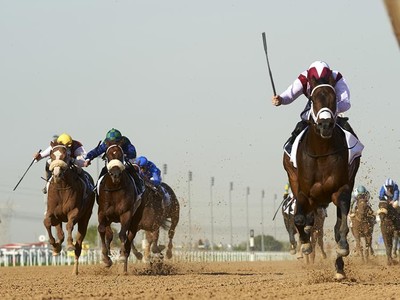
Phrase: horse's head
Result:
[323,108]
[60,160]
[115,162]
[385,210]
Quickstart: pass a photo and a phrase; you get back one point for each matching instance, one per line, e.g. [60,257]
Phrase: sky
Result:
[187,83]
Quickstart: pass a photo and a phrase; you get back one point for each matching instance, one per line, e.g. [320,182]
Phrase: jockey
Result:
[113,137]
[301,86]
[152,174]
[390,192]
[76,152]
[359,193]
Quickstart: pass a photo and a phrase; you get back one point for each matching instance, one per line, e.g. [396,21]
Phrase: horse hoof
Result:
[107,263]
[139,256]
[55,253]
[340,276]
[169,254]
[307,229]
[71,248]
[306,248]
[292,251]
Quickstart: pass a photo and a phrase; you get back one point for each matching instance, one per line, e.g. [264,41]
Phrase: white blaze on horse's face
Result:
[57,154]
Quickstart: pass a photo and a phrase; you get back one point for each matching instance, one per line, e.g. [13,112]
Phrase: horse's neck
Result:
[320,146]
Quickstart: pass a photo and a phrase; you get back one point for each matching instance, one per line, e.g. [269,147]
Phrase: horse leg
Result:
[80,235]
[341,227]
[148,241]
[47,222]
[72,217]
[138,255]
[300,222]
[320,241]
[102,231]
[123,237]
[291,229]
[155,248]
[171,231]
[388,241]
[395,243]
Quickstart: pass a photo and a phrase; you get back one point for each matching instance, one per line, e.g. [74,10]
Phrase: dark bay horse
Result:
[323,174]
[68,201]
[118,203]
[362,228]
[389,217]
[156,216]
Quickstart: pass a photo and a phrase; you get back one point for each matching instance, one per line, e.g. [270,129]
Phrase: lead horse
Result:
[118,203]
[323,174]
[69,200]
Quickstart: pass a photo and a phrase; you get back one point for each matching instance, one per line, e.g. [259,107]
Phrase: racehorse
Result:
[317,232]
[362,227]
[118,203]
[323,174]
[388,217]
[154,216]
[69,200]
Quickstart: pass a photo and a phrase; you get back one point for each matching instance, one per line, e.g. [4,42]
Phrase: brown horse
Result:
[118,203]
[154,216]
[362,227]
[69,200]
[323,174]
[389,217]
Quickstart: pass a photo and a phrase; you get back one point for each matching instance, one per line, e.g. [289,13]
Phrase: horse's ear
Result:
[313,83]
[52,144]
[331,81]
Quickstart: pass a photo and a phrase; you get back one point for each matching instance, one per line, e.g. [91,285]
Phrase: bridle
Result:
[325,112]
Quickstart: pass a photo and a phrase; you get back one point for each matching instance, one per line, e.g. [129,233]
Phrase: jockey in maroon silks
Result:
[301,86]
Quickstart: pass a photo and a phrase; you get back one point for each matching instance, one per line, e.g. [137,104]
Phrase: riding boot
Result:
[343,122]
[137,179]
[103,172]
[47,175]
[297,130]
[165,196]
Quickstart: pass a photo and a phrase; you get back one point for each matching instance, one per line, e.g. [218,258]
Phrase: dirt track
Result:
[255,280]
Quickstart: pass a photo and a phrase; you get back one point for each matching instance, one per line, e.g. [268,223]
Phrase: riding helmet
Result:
[389,182]
[361,189]
[65,139]
[141,161]
[319,69]
[113,135]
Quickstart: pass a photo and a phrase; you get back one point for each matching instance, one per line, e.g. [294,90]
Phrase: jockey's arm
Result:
[80,156]
[292,92]
[342,96]
[44,153]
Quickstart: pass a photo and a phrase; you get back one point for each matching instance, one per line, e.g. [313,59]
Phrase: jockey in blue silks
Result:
[113,137]
[152,174]
[390,192]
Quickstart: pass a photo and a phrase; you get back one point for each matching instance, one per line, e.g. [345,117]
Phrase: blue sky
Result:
[187,82]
